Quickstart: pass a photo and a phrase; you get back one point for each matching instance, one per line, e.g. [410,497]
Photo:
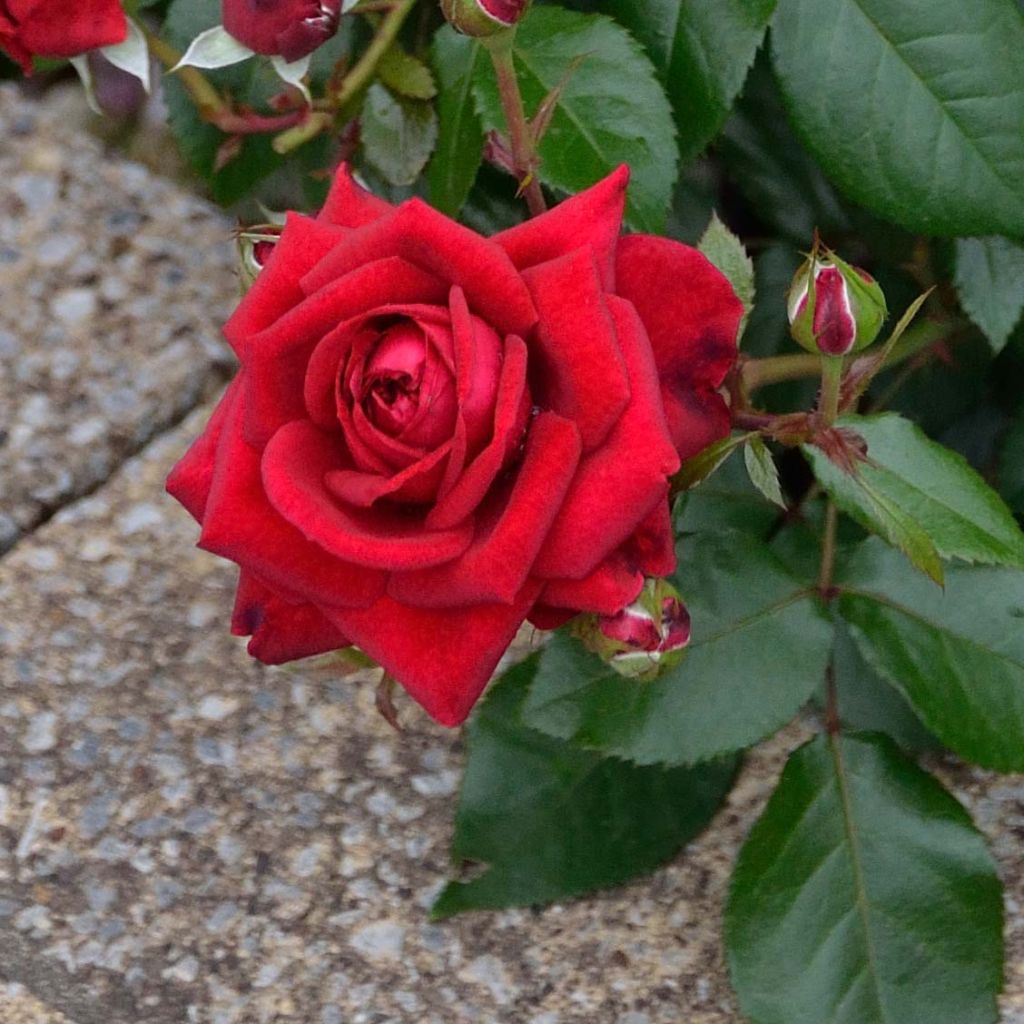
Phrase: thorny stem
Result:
[521,138]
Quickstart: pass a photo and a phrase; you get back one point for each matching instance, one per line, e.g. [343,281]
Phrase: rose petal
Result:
[652,548]
[435,243]
[575,354]
[294,465]
[692,316]
[511,409]
[545,617]
[442,658]
[417,483]
[592,219]
[606,591]
[478,355]
[190,480]
[56,28]
[240,524]
[303,243]
[496,565]
[281,631]
[349,205]
[617,486]
[277,358]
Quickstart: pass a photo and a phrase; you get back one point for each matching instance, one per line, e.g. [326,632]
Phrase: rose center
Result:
[407,391]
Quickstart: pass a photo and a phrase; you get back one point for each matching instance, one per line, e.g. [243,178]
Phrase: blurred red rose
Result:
[57,28]
[287,28]
[435,436]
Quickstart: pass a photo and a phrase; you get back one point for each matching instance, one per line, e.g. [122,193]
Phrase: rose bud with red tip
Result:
[834,308]
[291,29]
[484,17]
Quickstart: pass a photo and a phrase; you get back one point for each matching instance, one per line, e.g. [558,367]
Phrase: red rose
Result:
[289,28]
[434,436]
[58,28]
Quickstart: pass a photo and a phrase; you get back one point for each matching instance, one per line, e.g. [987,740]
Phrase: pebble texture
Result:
[113,286]
[189,838]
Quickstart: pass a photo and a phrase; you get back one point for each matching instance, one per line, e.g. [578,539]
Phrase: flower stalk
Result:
[521,137]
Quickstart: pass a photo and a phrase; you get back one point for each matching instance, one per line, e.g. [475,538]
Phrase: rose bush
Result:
[57,28]
[434,436]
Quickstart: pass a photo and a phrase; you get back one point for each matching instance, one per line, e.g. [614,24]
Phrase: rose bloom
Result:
[58,28]
[288,28]
[435,436]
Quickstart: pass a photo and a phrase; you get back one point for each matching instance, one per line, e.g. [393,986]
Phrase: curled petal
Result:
[294,466]
[618,485]
[578,365]
[240,524]
[435,243]
[509,534]
[349,205]
[591,220]
[443,658]
[692,317]
[281,630]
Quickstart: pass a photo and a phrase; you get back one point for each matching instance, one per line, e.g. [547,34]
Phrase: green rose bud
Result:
[645,637]
[834,308]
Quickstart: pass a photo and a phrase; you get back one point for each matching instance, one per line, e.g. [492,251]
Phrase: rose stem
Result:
[207,99]
[831,383]
[826,589]
[523,147]
[352,84]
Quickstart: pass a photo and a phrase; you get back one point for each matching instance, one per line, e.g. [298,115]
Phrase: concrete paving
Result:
[187,837]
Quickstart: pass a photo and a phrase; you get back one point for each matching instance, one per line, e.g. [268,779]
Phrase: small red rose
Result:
[435,436]
[291,29]
[58,28]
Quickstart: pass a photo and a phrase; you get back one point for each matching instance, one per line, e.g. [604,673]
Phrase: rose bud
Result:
[291,29]
[483,17]
[255,245]
[56,28]
[834,308]
[647,636]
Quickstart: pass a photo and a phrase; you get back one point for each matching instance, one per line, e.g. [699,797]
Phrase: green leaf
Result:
[253,82]
[864,895]
[702,52]
[460,139]
[1011,464]
[398,134]
[727,253]
[938,151]
[612,110]
[990,280]
[762,471]
[867,701]
[760,645]
[551,820]
[921,497]
[727,501]
[956,654]
[697,469]
[406,75]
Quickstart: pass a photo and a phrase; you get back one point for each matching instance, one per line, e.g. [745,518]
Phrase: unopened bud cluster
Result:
[834,308]
[647,636]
